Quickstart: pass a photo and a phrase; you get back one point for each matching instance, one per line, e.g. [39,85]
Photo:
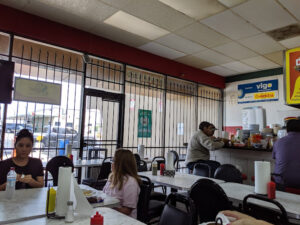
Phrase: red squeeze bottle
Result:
[97,219]
[271,190]
[162,169]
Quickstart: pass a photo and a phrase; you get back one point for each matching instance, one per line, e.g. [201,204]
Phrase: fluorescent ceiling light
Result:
[135,25]
[231,3]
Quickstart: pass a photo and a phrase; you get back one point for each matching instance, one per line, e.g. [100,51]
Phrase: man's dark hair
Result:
[204,124]
[24,133]
[293,126]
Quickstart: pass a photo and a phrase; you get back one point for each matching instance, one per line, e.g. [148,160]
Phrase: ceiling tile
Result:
[235,50]
[18,4]
[203,35]
[160,50]
[261,43]
[230,25]
[180,44]
[158,13]
[212,56]
[276,57]
[59,15]
[260,62]
[93,10]
[266,15]
[118,35]
[231,3]
[239,67]
[291,42]
[197,9]
[117,3]
[293,6]
[220,70]
[135,25]
[194,61]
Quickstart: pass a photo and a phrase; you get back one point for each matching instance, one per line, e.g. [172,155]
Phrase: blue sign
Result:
[258,92]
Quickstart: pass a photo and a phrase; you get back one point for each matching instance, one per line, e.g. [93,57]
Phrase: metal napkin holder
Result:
[169,173]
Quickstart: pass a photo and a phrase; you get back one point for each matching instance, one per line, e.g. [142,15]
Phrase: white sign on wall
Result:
[37,91]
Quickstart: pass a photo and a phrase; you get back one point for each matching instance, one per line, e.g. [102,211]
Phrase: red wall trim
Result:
[37,28]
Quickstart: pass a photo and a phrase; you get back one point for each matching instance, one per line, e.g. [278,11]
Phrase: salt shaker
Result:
[70,213]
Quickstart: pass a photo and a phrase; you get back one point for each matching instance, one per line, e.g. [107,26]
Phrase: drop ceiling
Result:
[226,37]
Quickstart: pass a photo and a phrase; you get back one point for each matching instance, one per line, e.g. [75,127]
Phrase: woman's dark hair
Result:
[293,126]
[24,133]
[204,124]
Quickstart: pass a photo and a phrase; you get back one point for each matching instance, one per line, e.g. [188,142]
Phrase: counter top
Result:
[249,149]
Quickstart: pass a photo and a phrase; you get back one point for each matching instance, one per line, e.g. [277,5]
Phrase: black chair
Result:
[95,153]
[140,164]
[148,209]
[212,164]
[101,180]
[53,167]
[273,216]
[175,216]
[209,199]
[202,169]
[229,173]
[159,160]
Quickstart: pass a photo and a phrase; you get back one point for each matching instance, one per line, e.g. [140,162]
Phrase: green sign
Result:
[145,123]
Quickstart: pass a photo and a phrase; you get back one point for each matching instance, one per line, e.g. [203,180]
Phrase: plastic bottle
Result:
[162,169]
[51,201]
[271,190]
[97,219]
[11,183]
[154,168]
[70,213]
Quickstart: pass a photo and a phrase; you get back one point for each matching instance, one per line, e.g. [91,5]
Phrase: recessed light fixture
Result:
[135,25]
[231,3]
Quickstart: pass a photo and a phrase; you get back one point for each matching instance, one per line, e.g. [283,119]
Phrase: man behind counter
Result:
[201,143]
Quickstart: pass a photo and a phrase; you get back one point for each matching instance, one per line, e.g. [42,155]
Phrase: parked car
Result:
[51,136]
[12,127]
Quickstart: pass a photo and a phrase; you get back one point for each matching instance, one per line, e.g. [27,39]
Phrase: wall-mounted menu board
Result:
[292,76]
[37,91]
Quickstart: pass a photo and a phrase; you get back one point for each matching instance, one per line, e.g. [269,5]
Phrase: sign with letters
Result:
[292,76]
[258,92]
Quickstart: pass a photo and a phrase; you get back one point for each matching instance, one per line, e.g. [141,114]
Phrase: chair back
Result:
[202,169]
[53,167]
[229,173]
[105,169]
[176,159]
[95,153]
[273,216]
[209,199]
[144,199]
[159,160]
[175,216]
[141,165]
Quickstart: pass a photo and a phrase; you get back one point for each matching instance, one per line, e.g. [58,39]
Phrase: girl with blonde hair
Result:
[123,183]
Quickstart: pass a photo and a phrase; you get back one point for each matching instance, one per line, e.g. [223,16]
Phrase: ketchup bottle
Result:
[271,190]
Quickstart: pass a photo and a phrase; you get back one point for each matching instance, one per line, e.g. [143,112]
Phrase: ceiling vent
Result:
[285,32]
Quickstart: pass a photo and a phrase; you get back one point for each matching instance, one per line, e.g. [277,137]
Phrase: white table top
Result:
[31,203]
[181,181]
[237,192]
[111,217]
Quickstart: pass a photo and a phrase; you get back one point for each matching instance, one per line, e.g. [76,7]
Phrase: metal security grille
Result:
[180,113]
[144,92]
[103,111]
[53,125]
[104,104]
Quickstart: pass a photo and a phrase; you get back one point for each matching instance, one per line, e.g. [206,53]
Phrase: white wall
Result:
[276,111]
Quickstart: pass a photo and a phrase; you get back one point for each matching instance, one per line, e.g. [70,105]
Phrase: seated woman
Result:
[123,182]
[29,170]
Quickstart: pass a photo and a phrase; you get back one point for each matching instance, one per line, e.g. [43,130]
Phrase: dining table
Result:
[181,181]
[110,217]
[31,203]
[237,192]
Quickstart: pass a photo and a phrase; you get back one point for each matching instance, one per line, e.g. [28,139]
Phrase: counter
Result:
[243,158]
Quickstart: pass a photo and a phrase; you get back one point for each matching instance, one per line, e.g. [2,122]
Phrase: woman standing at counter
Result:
[29,170]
